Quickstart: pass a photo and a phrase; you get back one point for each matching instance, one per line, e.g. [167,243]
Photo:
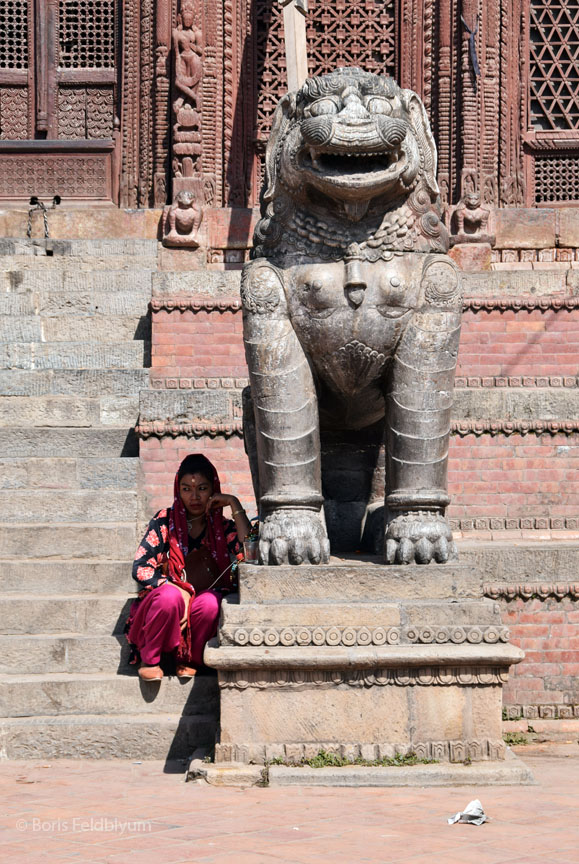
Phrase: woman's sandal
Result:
[150,673]
[185,672]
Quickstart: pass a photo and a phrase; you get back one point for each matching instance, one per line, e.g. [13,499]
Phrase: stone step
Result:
[87,383]
[69,411]
[70,653]
[99,693]
[65,541]
[40,577]
[72,355]
[90,612]
[99,303]
[72,280]
[24,442]
[77,328]
[77,248]
[71,506]
[63,473]
[96,736]
[522,560]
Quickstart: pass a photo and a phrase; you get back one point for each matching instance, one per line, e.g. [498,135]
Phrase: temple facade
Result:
[122,350]
[132,101]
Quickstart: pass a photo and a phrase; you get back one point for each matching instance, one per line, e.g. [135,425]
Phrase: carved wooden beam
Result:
[294,24]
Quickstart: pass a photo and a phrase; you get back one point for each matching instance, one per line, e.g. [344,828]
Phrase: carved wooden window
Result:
[339,33]
[552,135]
[86,34]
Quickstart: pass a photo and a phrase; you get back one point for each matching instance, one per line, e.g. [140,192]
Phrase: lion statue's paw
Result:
[420,538]
[293,537]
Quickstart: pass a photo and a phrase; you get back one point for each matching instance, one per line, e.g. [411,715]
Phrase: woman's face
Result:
[195,491]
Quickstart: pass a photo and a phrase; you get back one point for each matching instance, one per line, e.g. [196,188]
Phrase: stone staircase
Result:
[74,352]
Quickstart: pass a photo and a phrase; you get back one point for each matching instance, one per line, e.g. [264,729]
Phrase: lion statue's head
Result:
[353,148]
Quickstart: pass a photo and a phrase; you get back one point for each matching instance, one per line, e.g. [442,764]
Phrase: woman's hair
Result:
[196,463]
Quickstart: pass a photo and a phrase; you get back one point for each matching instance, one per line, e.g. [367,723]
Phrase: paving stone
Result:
[71,355]
[23,442]
[71,506]
[41,577]
[511,772]
[111,542]
[60,694]
[94,736]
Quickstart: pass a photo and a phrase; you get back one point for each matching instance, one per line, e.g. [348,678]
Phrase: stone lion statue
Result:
[352,317]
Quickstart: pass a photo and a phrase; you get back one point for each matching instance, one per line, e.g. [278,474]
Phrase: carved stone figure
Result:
[183,217]
[181,221]
[352,314]
[470,220]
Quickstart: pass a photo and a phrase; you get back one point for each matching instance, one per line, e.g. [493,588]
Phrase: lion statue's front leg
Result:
[286,425]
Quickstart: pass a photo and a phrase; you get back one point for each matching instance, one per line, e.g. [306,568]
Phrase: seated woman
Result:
[183,568]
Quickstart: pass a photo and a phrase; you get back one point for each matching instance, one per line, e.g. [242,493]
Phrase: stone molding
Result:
[162,429]
[172,383]
[295,679]
[334,635]
[514,427]
[522,523]
[473,749]
[201,303]
[460,383]
[516,381]
[549,301]
[530,590]
[205,303]
[543,712]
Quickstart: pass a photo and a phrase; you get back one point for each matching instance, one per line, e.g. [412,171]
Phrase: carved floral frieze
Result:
[441,676]
[335,635]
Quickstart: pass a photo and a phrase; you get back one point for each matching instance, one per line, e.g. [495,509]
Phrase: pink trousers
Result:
[156,625]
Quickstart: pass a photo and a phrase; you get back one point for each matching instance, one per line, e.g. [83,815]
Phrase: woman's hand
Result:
[238,514]
[221,500]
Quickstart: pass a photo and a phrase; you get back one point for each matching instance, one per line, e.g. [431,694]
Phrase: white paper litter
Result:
[473,813]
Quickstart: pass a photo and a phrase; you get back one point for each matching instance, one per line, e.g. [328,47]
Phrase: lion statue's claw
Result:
[419,538]
[293,537]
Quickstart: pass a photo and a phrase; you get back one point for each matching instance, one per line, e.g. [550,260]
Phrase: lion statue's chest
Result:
[349,318]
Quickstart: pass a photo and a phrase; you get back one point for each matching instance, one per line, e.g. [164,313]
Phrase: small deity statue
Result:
[470,220]
[181,221]
[187,44]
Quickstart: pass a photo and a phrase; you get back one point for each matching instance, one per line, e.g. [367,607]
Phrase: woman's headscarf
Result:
[178,534]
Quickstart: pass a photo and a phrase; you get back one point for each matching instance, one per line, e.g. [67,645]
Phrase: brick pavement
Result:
[102,812]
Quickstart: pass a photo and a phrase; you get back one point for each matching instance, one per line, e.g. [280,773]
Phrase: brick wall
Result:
[511,343]
[548,632]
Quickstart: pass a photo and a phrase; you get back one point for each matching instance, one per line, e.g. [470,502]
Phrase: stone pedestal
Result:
[363,660]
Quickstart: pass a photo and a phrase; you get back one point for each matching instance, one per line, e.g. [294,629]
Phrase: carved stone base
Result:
[361,660]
